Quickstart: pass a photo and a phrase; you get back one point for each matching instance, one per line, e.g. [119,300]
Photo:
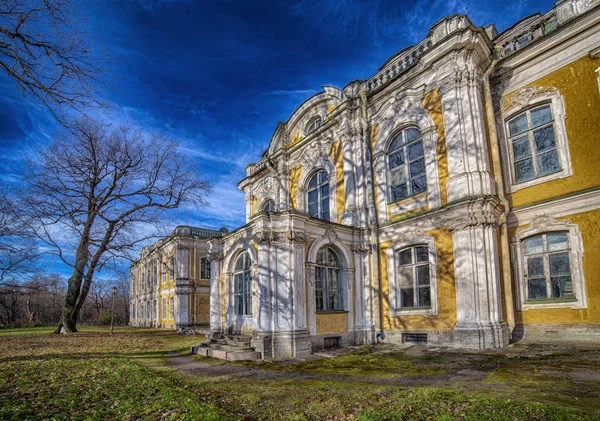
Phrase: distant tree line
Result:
[39,300]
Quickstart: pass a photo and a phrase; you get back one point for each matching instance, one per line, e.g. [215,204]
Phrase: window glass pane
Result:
[541,115]
[325,190]
[419,185]
[561,287]
[521,147]
[544,138]
[396,143]
[396,159]
[399,192]
[534,245]
[524,170]
[424,297]
[406,298]
[322,177]
[313,210]
[313,181]
[415,150]
[325,206]
[406,257]
[559,264]
[557,241]
[313,196]
[319,300]
[412,133]
[406,280]
[548,162]
[423,275]
[537,289]
[332,258]
[517,125]
[321,258]
[398,177]
[417,168]
[422,254]
[535,267]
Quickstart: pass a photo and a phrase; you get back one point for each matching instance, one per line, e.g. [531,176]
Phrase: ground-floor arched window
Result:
[328,283]
[243,284]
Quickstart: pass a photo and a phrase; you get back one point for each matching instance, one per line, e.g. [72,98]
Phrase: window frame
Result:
[548,226]
[327,269]
[529,133]
[172,307]
[172,269]
[242,296]
[318,187]
[164,308]
[413,265]
[524,100]
[266,204]
[204,264]
[393,266]
[404,147]
[310,127]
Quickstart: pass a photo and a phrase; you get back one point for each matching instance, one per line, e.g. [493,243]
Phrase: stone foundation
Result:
[282,344]
[557,332]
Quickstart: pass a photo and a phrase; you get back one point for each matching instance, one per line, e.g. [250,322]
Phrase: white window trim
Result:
[525,99]
[393,265]
[544,225]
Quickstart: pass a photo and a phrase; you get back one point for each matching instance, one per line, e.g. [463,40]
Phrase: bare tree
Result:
[51,60]
[17,250]
[97,190]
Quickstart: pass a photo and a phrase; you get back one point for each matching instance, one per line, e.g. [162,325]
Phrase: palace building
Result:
[170,280]
[451,198]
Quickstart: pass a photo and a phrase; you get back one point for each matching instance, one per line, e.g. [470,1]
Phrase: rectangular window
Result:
[533,144]
[547,267]
[414,289]
[172,269]
[204,268]
[172,307]
[164,308]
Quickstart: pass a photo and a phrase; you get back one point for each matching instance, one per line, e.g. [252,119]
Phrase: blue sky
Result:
[219,74]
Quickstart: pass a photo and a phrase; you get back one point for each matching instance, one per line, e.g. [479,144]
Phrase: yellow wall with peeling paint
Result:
[589,226]
[446,289]
[433,104]
[332,322]
[577,84]
[336,155]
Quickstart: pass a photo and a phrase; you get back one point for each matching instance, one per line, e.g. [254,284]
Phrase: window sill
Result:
[331,311]
[414,311]
[563,173]
[552,300]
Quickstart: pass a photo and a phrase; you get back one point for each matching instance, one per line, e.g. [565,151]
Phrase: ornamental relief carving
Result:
[486,212]
[525,96]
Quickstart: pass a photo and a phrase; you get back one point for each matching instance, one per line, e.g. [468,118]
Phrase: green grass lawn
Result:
[91,375]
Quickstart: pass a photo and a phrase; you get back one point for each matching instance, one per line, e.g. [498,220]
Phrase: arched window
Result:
[406,165]
[243,285]
[314,124]
[318,196]
[268,206]
[328,285]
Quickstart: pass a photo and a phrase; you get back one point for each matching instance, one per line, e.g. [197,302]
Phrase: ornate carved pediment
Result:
[526,96]
[412,235]
[314,155]
[331,235]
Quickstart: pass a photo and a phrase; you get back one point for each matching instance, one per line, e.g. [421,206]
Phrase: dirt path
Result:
[189,365]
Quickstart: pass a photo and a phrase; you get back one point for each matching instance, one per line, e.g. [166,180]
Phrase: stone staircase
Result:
[228,347]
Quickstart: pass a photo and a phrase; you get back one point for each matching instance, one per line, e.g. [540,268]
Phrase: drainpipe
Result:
[372,217]
[496,165]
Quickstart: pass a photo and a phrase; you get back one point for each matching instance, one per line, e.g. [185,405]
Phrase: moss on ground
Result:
[90,375]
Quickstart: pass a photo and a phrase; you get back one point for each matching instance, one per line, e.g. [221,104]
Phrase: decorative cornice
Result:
[486,212]
[296,236]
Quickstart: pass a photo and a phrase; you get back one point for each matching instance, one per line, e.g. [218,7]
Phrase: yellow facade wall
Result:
[589,226]
[577,83]
[446,289]
[433,104]
[332,322]
[294,181]
[336,155]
